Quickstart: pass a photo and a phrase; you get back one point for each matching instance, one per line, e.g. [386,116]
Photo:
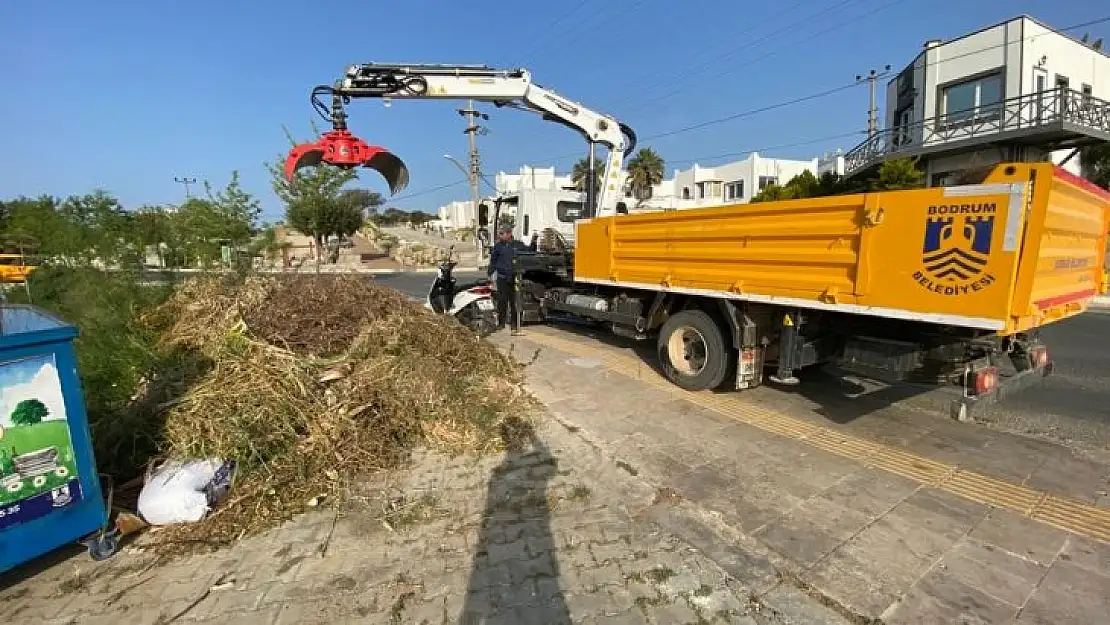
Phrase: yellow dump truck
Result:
[945,285]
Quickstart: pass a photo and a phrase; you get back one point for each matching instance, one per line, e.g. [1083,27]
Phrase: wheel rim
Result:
[686,349]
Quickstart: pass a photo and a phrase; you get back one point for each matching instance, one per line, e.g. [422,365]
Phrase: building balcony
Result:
[1052,120]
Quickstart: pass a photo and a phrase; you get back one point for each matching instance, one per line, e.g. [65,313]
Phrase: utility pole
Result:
[186,182]
[472,129]
[872,78]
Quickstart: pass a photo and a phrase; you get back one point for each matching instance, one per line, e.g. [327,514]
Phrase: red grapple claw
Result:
[343,149]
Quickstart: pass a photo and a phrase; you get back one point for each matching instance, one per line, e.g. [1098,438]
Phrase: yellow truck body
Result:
[1025,247]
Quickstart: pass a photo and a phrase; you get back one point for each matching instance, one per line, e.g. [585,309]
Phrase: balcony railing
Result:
[1059,111]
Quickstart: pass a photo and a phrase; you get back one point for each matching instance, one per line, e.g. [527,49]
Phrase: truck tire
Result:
[693,352]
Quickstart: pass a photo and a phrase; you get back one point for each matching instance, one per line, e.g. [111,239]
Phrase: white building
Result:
[1013,91]
[728,183]
[830,163]
[531,177]
[456,214]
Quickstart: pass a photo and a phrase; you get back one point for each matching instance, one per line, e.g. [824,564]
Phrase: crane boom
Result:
[502,87]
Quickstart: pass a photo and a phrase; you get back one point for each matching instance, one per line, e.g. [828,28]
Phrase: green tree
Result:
[269,244]
[645,170]
[202,225]
[237,211]
[579,173]
[40,220]
[100,226]
[312,198]
[1095,161]
[803,185]
[898,173]
[29,412]
[154,228]
[366,201]
[892,175]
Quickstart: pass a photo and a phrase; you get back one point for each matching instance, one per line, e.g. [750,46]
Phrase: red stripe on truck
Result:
[1065,299]
[1081,182]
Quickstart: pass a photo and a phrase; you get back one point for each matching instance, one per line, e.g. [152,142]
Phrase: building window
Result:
[685,193]
[902,122]
[1062,82]
[978,98]
[767,180]
[1086,95]
[734,190]
[711,189]
[568,212]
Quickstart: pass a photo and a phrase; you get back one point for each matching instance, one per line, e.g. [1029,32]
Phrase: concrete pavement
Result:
[1069,407]
[885,515]
[546,534]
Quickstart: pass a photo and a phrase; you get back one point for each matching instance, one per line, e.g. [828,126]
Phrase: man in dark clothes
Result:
[501,275]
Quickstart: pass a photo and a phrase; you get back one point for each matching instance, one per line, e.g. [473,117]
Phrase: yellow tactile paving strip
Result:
[1058,511]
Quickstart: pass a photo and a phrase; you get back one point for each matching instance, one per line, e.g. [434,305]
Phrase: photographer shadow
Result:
[515,576]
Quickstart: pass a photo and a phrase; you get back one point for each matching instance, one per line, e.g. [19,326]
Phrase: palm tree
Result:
[578,174]
[645,170]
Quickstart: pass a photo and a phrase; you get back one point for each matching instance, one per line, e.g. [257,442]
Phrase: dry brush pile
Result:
[311,382]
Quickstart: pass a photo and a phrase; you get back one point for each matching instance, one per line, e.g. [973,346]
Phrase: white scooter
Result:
[471,303]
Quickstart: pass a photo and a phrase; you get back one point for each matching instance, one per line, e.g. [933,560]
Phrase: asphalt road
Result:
[1070,406]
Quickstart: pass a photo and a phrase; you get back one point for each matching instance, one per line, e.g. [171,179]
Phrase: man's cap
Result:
[505,229]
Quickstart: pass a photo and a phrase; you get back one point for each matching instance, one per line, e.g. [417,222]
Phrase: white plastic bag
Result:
[178,492]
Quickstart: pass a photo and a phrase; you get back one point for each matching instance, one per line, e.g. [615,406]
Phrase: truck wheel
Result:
[693,351]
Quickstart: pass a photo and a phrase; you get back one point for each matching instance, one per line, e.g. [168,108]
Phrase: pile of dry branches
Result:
[313,381]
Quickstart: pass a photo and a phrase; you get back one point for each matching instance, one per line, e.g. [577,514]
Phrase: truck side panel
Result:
[1065,249]
[791,249]
[944,255]
[945,250]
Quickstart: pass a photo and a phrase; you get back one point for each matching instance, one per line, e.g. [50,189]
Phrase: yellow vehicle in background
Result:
[18,258]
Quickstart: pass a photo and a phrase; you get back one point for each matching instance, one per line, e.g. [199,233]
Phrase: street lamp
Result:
[185,181]
[476,199]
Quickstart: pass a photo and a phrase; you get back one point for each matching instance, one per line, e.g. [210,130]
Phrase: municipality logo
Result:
[956,248]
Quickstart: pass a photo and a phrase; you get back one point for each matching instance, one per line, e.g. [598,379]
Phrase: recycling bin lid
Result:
[20,322]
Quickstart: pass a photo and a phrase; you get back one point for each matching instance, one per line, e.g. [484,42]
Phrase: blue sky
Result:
[126,95]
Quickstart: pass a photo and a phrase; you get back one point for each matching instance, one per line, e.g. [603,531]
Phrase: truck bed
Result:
[1025,247]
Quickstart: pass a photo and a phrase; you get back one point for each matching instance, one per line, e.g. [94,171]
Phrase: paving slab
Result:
[867,542]
[555,533]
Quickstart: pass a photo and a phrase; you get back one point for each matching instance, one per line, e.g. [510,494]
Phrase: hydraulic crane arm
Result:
[510,88]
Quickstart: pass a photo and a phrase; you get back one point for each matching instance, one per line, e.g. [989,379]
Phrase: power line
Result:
[551,27]
[1095,22]
[428,190]
[793,101]
[576,31]
[766,148]
[716,60]
[579,33]
[781,146]
[749,113]
[733,68]
[636,81]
